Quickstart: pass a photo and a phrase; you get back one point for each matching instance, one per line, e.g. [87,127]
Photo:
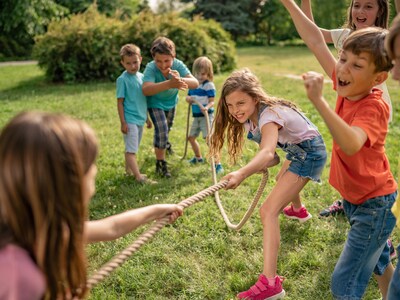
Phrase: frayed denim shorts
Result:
[307,159]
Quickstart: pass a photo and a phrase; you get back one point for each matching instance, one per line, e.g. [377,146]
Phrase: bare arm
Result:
[349,138]
[175,81]
[210,103]
[115,226]
[306,8]
[312,36]
[397,5]
[191,81]
[264,158]
[120,107]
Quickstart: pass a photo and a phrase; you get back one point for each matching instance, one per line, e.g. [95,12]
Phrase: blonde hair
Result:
[203,64]
[129,50]
[370,40]
[394,32]
[245,81]
[44,158]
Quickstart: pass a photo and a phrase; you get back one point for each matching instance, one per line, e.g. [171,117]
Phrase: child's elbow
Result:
[351,150]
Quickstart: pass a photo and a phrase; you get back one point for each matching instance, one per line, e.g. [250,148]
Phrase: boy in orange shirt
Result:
[360,169]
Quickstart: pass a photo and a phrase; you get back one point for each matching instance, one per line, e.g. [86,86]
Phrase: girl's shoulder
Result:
[27,280]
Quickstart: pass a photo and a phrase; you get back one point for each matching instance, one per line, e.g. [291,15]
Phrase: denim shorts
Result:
[162,121]
[307,159]
[200,125]
[394,287]
[132,138]
[365,250]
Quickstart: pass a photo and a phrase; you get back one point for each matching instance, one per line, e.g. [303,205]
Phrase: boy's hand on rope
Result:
[234,179]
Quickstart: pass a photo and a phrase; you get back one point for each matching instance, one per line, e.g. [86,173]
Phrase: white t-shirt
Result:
[295,128]
[338,37]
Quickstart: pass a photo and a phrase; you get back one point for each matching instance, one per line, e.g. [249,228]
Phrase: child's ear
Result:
[381,77]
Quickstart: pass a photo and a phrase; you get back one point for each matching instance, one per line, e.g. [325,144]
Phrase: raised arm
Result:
[349,138]
[115,226]
[306,8]
[312,36]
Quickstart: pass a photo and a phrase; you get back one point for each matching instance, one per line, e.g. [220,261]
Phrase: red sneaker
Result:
[262,291]
[302,215]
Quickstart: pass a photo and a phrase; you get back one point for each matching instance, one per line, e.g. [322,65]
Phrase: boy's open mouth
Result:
[343,82]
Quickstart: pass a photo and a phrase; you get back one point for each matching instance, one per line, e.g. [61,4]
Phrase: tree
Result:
[235,17]
[126,8]
[21,20]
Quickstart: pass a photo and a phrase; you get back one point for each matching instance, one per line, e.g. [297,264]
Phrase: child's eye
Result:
[357,66]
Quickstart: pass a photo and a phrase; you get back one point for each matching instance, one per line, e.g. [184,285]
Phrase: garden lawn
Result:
[198,257]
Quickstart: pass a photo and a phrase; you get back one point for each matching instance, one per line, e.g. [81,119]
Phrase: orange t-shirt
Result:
[365,174]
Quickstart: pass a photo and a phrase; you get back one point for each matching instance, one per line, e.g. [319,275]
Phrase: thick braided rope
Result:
[119,259]
[256,198]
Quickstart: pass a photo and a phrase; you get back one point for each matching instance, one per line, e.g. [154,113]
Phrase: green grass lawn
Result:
[198,257]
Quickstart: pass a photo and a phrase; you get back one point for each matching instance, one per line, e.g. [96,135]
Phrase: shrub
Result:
[81,48]
[86,46]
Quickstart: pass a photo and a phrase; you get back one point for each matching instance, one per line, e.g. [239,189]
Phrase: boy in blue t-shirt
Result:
[163,78]
[132,108]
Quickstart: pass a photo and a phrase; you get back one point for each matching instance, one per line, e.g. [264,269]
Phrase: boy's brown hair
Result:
[203,64]
[129,50]
[163,45]
[370,40]
[394,32]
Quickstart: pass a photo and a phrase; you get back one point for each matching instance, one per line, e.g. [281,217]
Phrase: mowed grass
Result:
[198,257]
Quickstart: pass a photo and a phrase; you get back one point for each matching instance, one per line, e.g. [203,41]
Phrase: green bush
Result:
[81,48]
[86,46]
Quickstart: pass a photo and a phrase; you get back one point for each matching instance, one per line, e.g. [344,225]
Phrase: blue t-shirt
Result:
[169,98]
[202,94]
[129,87]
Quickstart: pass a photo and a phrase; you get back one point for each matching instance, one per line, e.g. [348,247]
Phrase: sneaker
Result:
[219,169]
[335,209]
[169,149]
[393,252]
[196,160]
[262,291]
[162,169]
[302,215]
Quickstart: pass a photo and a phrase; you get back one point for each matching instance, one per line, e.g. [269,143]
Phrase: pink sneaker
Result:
[262,291]
[302,215]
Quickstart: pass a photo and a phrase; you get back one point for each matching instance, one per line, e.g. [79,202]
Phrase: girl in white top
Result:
[361,14]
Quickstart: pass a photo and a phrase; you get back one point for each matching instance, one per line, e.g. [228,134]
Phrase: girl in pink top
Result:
[244,107]
[47,177]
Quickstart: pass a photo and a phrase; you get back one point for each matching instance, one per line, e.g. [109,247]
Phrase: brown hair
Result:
[44,158]
[245,81]
[370,40]
[203,64]
[129,50]
[382,18]
[394,32]
[163,45]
